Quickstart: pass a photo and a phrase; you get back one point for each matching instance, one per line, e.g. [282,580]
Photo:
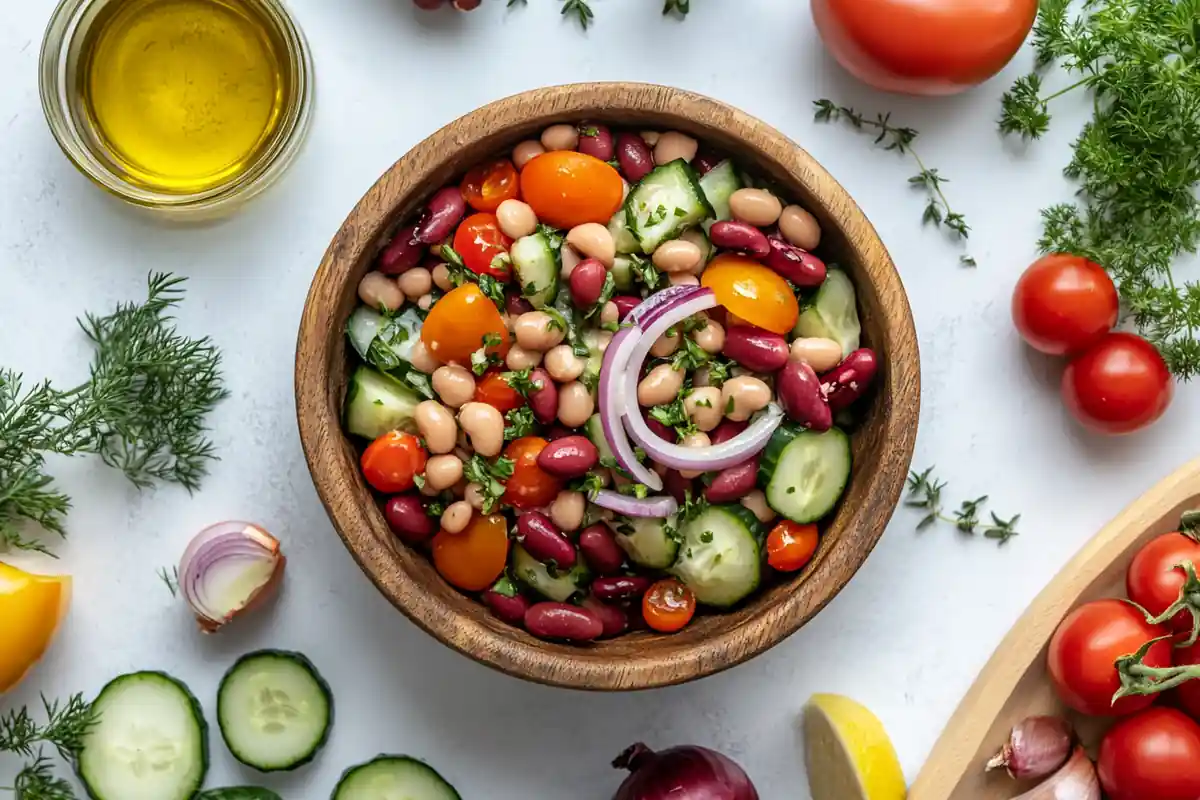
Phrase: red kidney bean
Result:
[510,609]
[402,253]
[405,515]
[625,304]
[802,396]
[660,430]
[443,213]
[563,621]
[798,266]
[634,156]
[849,380]
[600,549]
[755,349]
[568,457]
[727,430]
[734,483]
[706,160]
[678,486]
[740,236]
[543,401]
[623,587]
[587,282]
[558,431]
[596,141]
[516,305]
[546,543]
[614,618]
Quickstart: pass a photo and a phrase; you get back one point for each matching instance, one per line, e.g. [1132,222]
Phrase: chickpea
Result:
[437,427]
[683,279]
[575,404]
[703,407]
[665,345]
[696,440]
[800,228]
[441,277]
[458,515]
[659,386]
[519,358]
[570,260]
[756,207]
[566,512]
[560,137]
[425,302]
[454,384]
[710,338]
[516,219]
[562,363]
[484,426]
[820,354]
[594,241]
[677,256]
[416,282]
[756,501]
[650,137]
[610,313]
[674,145]
[741,397]
[380,292]
[525,152]
[537,330]
[442,472]
[473,496]
[423,361]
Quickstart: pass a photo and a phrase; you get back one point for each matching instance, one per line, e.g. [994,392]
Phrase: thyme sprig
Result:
[925,492]
[581,10]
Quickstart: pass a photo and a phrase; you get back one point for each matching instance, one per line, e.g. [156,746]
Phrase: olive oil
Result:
[184,95]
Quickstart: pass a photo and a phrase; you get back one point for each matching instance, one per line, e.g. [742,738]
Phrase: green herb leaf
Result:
[519,422]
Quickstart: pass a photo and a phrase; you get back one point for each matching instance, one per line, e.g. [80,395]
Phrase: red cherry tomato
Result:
[928,47]
[1064,304]
[391,462]
[1187,696]
[489,185]
[1119,385]
[1153,582]
[529,486]
[481,244]
[494,390]
[1084,648]
[566,188]
[1154,755]
[668,606]
[790,545]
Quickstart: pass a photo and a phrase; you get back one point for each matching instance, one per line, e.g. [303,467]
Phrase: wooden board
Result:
[1014,684]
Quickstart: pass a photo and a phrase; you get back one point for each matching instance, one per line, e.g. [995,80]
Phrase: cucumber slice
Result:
[377,403]
[274,709]
[594,429]
[591,372]
[649,543]
[665,203]
[805,472]
[239,793]
[386,343]
[560,587]
[622,272]
[832,314]
[393,778]
[537,265]
[719,558]
[149,742]
[718,185]
[623,237]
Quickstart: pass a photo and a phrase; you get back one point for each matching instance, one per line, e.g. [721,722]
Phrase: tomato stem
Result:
[1189,600]
[1139,679]
[1189,524]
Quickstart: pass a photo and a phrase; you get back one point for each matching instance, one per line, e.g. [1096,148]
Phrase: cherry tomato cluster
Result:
[1115,382]
[1153,751]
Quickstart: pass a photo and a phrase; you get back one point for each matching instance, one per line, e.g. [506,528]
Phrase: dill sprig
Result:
[37,781]
[581,10]
[170,579]
[1137,161]
[925,492]
[64,729]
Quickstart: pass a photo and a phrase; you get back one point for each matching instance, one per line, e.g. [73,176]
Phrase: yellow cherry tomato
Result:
[753,292]
[473,559]
[31,608]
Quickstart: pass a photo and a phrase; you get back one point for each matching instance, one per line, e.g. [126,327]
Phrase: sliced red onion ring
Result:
[659,507]
[228,568]
[612,406]
[650,308]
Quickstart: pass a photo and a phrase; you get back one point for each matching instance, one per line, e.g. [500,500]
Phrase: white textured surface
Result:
[907,636]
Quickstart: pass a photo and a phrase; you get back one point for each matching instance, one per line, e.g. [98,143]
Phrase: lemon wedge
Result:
[31,608]
[848,753]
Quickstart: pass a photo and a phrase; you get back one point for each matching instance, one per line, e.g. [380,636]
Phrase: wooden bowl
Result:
[883,445]
[1015,683]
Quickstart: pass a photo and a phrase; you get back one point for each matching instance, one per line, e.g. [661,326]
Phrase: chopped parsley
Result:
[706,537]
[637,490]
[488,477]
[589,484]
[460,274]
[519,423]
[521,382]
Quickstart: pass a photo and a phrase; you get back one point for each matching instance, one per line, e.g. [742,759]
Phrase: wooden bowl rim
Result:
[322,438]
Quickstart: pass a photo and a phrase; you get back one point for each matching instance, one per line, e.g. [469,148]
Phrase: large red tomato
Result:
[928,47]
[1063,304]
[1153,582]
[1152,756]
[1119,385]
[1084,648]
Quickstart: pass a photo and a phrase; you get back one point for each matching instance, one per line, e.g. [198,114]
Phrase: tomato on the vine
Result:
[1086,645]
[392,462]
[1154,755]
[668,606]
[1187,696]
[483,246]
[790,545]
[495,390]
[459,323]
[530,486]
[490,184]
[565,188]
[473,559]
[753,292]
[1119,385]
[1153,581]
[1063,304]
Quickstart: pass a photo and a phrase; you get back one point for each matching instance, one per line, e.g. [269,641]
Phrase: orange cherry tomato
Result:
[489,185]
[529,486]
[473,559]
[457,324]
[790,545]
[566,188]
[391,462]
[480,242]
[753,292]
[494,390]
[668,606]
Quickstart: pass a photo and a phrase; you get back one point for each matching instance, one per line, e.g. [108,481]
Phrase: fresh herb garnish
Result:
[674,415]
[638,490]
[692,507]
[690,356]
[478,471]
[655,217]
[486,357]
[680,7]
[589,484]
[460,274]
[581,10]
[171,579]
[606,293]
[65,727]
[718,371]
[519,422]
[925,492]
[521,382]
[645,272]
[505,587]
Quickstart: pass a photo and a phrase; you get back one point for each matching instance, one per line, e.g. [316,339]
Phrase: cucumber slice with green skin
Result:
[624,239]
[702,241]
[649,543]
[666,203]
[622,272]
[720,558]
[386,343]
[803,472]
[537,266]
[718,185]
[149,742]
[560,587]
[594,429]
[393,778]
[591,372]
[832,313]
[275,710]
[239,793]
[377,403]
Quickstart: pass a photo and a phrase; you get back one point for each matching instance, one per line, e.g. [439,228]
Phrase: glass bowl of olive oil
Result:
[185,107]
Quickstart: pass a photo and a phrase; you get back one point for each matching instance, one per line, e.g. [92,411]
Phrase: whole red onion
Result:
[688,772]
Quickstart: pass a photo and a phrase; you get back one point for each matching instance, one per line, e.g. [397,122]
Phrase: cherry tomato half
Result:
[928,47]
[566,188]
[391,462]
[473,559]
[483,246]
[494,390]
[1154,755]
[668,606]
[1119,385]
[790,545]
[489,185]
[753,292]
[1086,644]
[530,486]
[458,323]
[1153,582]
[1063,304]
